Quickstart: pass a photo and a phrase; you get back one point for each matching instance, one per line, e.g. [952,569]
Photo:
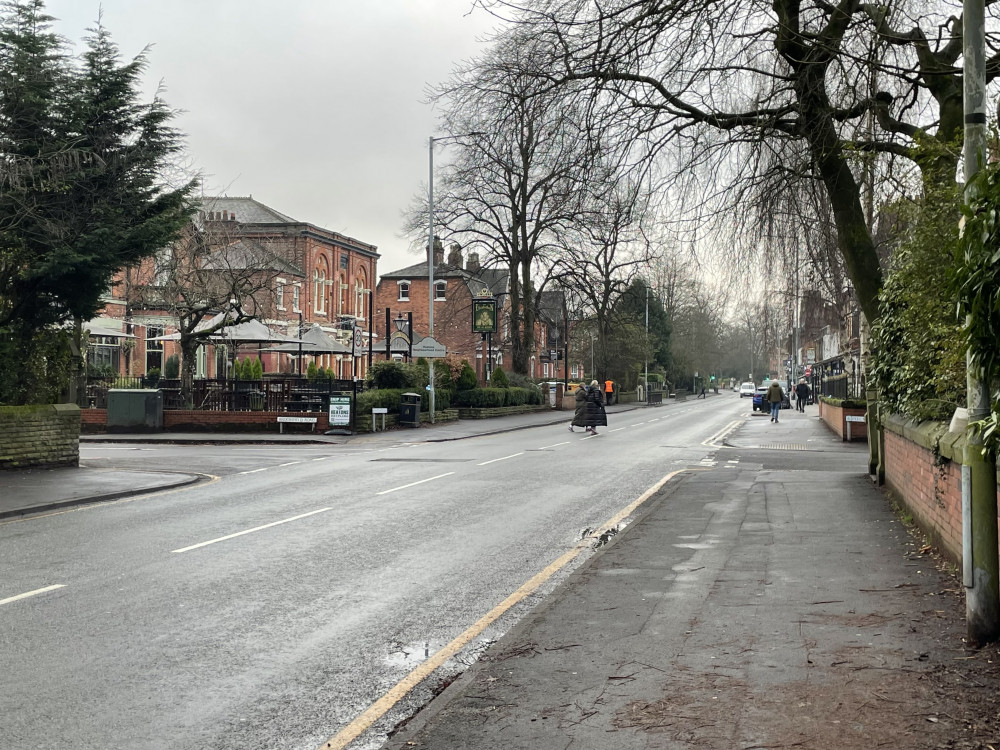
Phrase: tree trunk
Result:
[189,353]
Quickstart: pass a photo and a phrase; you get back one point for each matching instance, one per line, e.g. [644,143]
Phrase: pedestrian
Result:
[702,394]
[801,395]
[774,396]
[579,409]
[595,408]
[609,391]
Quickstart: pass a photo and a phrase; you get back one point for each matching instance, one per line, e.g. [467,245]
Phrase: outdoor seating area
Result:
[285,393]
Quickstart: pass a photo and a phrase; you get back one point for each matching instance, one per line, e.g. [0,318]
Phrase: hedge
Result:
[389,398]
[481,398]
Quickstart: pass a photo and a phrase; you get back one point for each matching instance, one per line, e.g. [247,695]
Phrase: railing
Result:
[216,394]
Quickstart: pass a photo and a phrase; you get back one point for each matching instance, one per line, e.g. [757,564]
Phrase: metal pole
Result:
[430,262]
[300,344]
[979,488]
[371,331]
[646,365]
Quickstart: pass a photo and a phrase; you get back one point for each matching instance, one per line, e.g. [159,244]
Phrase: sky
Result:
[316,108]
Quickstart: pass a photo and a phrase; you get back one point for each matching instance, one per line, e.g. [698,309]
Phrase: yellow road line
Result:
[378,709]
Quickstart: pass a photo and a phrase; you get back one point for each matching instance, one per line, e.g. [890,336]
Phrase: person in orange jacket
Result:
[609,391]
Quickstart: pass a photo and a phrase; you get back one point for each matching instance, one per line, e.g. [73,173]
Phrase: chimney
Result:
[225,216]
[438,252]
[473,264]
[232,216]
[455,255]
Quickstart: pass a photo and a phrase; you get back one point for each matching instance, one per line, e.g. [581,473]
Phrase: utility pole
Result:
[646,366]
[979,487]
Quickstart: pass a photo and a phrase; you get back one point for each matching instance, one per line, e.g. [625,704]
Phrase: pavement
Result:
[766,598]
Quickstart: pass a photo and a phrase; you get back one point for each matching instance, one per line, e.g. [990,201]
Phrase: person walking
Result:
[801,395]
[774,396]
[596,416]
[609,391]
[579,409]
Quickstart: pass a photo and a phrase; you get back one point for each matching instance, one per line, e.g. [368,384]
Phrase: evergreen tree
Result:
[82,165]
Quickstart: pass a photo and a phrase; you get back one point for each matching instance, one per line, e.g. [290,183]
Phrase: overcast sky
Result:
[315,107]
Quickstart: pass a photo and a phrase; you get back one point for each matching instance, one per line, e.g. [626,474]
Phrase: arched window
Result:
[360,290]
[342,296]
[319,286]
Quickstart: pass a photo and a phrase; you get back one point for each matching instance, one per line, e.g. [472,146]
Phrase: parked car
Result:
[747,389]
[760,396]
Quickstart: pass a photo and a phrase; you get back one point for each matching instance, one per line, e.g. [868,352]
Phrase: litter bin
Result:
[409,409]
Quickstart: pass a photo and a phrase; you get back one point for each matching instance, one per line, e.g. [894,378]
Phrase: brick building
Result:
[456,283]
[315,276]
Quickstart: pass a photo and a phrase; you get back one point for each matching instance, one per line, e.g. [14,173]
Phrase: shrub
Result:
[389,374]
[467,379]
[172,367]
[498,379]
[312,372]
[482,398]
[387,398]
[516,396]
[153,376]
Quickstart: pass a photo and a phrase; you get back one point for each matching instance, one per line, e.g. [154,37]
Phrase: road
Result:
[272,605]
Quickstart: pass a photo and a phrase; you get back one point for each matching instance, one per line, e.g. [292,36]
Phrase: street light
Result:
[430,249]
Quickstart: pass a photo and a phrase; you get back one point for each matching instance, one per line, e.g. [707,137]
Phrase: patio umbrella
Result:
[314,341]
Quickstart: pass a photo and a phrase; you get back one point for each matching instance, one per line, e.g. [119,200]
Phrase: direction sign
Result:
[429,348]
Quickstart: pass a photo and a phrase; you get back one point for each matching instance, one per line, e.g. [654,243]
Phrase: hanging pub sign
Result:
[484,313]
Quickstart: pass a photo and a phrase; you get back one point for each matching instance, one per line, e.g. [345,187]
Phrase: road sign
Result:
[359,339]
[429,348]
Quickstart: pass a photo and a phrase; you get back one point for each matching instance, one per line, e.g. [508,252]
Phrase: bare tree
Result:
[514,188]
[209,279]
[762,94]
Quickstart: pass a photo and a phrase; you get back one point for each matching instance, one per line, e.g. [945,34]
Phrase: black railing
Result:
[216,394]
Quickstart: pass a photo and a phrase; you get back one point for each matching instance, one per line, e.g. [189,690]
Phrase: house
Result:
[312,276]
[457,283]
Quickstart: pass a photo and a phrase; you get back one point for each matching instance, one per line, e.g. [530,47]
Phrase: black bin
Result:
[409,409]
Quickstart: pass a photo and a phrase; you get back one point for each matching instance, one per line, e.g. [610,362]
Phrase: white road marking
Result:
[554,445]
[322,458]
[36,592]
[290,463]
[494,460]
[636,424]
[250,531]
[617,429]
[253,471]
[414,484]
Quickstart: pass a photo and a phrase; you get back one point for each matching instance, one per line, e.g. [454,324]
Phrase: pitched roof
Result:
[494,279]
[245,210]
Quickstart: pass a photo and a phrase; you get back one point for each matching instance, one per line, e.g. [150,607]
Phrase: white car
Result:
[747,389]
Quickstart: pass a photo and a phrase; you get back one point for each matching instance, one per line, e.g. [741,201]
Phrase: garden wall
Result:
[39,436]
[923,470]
[836,419]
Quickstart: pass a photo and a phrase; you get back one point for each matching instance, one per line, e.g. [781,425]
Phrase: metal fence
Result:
[219,394]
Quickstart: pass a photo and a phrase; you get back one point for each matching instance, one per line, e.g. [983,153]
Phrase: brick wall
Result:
[931,489]
[923,469]
[36,436]
[836,419]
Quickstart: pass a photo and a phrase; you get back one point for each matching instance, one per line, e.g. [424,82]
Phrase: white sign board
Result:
[340,411]
[854,418]
[359,339]
[430,348]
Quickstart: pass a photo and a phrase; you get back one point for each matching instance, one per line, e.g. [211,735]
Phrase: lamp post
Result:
[430,250]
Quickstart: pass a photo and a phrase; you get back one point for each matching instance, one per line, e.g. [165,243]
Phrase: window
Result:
[404,291]
[279,295]
[319,291]
[295,297]
[343,262]
[154,349]
[342,297]
[439,287]
[545,369]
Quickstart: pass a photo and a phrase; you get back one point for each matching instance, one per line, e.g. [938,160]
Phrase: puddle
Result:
[411,655]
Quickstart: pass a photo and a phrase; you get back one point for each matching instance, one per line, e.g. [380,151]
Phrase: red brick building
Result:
[456,283]
[317,277]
